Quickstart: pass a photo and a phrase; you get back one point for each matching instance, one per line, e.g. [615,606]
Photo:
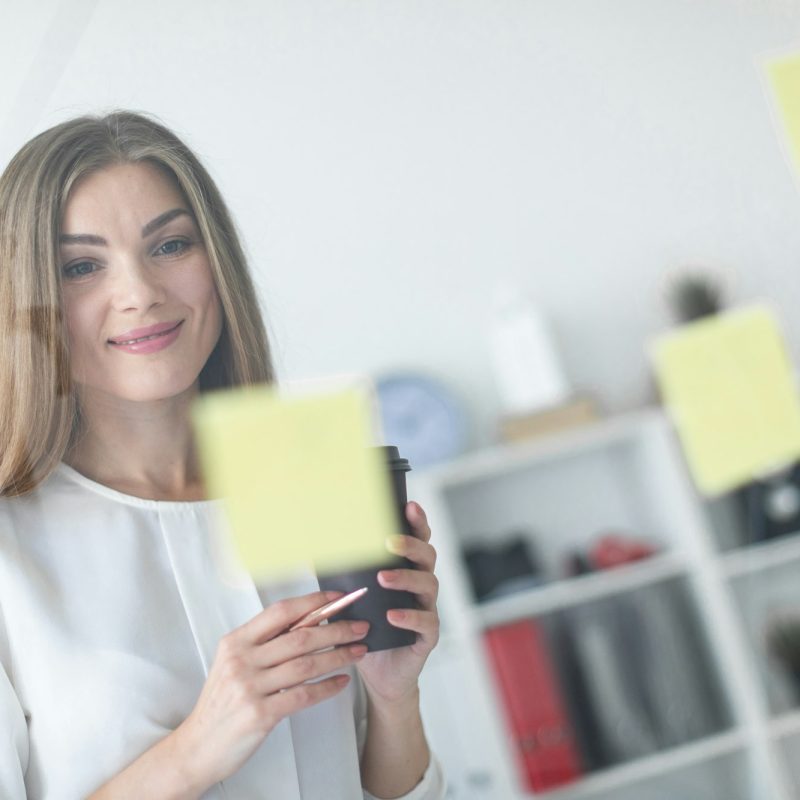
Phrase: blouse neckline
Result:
[142,502]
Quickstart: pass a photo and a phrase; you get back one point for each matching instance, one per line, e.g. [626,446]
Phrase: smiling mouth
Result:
[148,338]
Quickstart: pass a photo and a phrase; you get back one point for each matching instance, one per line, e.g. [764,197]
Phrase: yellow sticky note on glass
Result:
[783,75]
[299,478]
[730,388]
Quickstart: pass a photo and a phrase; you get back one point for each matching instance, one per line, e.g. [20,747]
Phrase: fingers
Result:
[425,623]
[423,584]
[278,706]
[277,617]
[307,668]
[307,640]
[416,550]
[418,520]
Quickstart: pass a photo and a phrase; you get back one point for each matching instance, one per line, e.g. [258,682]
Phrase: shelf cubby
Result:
[624,475]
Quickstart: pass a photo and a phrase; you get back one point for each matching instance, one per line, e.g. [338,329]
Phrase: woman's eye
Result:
[173,247]
[75,270]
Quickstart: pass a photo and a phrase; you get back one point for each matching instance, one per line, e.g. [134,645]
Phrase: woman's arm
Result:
[157,774]
[396,753]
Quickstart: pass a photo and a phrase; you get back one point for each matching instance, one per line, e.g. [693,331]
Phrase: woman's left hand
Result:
[391,675]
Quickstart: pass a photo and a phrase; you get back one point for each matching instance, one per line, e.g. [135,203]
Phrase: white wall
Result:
[386,160]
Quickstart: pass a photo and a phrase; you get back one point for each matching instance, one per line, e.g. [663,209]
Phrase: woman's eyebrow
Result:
[162,219]
[159,222]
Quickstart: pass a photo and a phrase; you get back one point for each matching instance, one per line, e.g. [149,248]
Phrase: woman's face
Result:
[132,258]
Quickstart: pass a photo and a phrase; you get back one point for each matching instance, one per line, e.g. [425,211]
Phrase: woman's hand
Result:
[259,677]
[391,676]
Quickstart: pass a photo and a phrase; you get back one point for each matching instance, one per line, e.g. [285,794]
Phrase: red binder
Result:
[535,713]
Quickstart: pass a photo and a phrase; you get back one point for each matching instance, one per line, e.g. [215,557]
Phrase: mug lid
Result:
[393,459]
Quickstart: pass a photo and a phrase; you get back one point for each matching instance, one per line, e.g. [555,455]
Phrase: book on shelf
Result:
[577,693]
[601,655]
[535,711]
[685,698]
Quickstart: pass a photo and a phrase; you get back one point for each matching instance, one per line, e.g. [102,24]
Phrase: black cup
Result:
[373,606]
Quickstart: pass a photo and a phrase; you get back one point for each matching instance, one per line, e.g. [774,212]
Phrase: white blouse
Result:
[111,608]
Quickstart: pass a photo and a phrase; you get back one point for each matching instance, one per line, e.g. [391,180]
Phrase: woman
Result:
[133,662]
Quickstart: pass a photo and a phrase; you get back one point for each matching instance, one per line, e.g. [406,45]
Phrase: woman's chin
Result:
[140,392]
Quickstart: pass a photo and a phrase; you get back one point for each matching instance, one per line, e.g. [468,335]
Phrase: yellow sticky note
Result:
[729,386]
[783,75]
[299,479]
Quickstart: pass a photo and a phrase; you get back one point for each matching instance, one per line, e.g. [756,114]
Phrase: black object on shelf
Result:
[578,564]
[771,506]
[503,568]
[783,641]
[572,674]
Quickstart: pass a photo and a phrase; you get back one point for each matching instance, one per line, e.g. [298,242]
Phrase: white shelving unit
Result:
[625,474]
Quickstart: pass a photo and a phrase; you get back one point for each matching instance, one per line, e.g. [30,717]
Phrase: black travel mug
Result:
[373,606]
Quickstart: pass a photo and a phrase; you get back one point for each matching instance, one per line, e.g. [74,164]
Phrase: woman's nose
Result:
[137,284]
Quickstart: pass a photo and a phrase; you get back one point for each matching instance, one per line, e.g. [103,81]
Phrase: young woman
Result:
[134,662]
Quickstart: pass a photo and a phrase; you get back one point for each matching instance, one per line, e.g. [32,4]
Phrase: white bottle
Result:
[526,365]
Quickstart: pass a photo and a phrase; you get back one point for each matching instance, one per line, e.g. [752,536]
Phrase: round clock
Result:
[420,417]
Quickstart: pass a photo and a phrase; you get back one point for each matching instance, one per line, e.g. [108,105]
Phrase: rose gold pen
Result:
[328,610]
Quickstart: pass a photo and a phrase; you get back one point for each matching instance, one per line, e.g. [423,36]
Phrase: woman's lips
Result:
[142,333]
[153,343]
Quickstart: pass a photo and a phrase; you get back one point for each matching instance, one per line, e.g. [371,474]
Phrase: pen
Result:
[329,609]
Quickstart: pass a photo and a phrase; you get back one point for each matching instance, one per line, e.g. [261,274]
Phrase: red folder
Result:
[535,713]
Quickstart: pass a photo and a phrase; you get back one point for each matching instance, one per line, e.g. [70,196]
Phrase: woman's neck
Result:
[150,453]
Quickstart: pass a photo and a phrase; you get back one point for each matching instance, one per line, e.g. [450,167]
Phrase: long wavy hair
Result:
[40,416]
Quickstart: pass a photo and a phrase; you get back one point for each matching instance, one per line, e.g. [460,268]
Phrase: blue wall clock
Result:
[421,417]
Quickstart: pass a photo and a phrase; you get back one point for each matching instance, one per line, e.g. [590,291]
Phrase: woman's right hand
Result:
[259,677]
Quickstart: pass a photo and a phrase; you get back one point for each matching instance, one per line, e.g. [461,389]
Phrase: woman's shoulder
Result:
[50,504]
[17,513]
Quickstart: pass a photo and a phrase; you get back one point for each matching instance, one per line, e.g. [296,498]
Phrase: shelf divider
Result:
[755,558]
[786,724]
[583,589]
[652,766]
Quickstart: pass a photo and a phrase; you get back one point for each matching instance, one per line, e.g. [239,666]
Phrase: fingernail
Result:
[387,576]
[359,627]
[395,544]
[358,649]
[396,614]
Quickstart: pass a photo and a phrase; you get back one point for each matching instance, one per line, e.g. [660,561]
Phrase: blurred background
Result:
[387,162]
[423,187]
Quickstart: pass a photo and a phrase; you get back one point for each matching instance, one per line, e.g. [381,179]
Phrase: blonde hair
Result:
[39,413]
